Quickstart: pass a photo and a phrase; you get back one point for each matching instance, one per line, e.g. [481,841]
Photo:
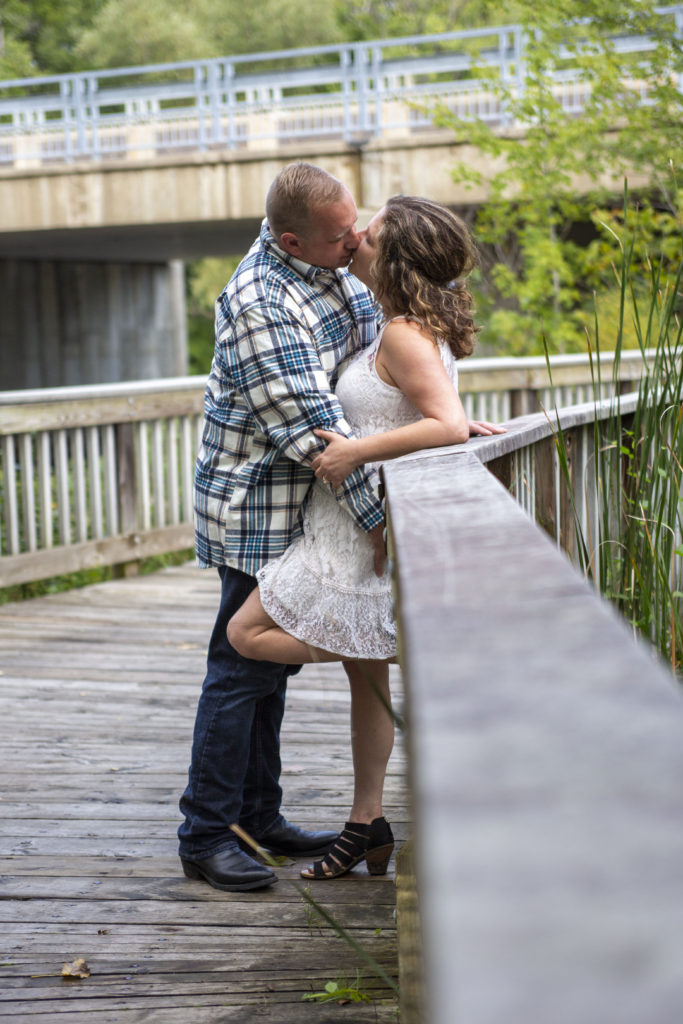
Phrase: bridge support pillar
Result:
[66,323]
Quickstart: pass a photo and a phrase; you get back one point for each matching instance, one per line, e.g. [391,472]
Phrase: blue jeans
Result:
[235,771]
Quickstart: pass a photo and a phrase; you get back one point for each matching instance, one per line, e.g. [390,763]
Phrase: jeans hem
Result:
[204,855]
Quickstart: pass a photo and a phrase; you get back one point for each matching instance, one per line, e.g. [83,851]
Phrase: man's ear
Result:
[290,243]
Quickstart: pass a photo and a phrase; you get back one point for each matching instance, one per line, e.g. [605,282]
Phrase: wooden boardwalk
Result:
[98,689]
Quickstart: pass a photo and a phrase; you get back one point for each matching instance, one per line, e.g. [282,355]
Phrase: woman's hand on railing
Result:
[485,429]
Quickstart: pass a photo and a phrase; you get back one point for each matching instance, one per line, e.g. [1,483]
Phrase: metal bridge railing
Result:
[351,92]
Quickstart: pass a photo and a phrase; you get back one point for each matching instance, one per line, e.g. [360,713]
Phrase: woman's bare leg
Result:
[372,740]
[372,735]
[253,634]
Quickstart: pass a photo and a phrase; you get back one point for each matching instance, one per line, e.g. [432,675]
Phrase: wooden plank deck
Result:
[98,690]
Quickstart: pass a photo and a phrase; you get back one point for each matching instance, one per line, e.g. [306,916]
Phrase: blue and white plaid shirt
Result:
[283,329]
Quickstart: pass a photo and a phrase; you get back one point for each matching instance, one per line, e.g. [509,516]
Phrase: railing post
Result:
[377,122]
[127,491]
[66,88]
[90,84]
[201,93]
[410,974]
[231,134]
[523,401]
[214,104]
[83,148]
[546,490]
[565,511]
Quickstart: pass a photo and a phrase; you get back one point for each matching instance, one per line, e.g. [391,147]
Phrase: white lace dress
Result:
[323,589]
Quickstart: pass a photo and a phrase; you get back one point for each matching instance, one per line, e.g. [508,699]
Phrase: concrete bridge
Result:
[109,179]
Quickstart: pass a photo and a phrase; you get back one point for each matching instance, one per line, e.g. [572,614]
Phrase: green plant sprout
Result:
[341,991]
[323,914]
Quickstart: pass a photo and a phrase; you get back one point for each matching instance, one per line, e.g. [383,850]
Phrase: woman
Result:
[327,598]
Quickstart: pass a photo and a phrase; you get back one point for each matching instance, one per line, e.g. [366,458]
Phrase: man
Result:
[288,318]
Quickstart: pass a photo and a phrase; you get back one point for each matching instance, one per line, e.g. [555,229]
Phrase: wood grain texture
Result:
[98,689]
[546,753]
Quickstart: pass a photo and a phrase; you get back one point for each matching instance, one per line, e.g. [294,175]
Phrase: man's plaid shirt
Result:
[283,328]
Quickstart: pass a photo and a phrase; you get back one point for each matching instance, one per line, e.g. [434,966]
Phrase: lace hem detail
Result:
[355,625]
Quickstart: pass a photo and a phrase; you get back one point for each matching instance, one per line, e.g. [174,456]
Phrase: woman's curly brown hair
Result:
[423,253]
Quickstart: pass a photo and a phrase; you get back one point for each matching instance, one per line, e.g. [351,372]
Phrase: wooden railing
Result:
[102,475]
[543,881]
[95,476]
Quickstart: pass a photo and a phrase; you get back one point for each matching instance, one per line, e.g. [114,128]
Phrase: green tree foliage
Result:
[377,19]
[126,32]
[386,19]
[40,36]
[237,27]
[15,56]
[206,279]
[549,171]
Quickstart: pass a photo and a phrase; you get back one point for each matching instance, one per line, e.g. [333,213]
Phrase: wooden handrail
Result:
[99,404]
[48,408]
[545,758]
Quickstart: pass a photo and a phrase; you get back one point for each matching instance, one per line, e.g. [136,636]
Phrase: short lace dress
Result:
[323,589]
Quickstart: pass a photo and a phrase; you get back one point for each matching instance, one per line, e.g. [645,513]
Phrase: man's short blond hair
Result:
[296,193]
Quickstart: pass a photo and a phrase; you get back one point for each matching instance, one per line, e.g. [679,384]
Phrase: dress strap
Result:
[378,339]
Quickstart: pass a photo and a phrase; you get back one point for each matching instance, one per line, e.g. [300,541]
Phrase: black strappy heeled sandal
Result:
[372,843]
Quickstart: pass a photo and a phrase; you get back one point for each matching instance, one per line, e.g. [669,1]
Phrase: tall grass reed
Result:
[634,551]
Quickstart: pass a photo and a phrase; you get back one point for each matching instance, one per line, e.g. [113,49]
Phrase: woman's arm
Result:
[408,359]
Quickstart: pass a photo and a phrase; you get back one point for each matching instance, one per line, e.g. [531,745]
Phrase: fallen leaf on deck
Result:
[77,969]
[281,860]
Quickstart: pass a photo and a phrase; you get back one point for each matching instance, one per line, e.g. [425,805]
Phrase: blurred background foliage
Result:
[39,37]
[205,279]
[552,230]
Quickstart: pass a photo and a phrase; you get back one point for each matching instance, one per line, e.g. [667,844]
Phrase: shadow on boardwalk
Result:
[98,692]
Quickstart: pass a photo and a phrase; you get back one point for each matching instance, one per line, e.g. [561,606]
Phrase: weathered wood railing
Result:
[545,752]
[102,475]
[95,476]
